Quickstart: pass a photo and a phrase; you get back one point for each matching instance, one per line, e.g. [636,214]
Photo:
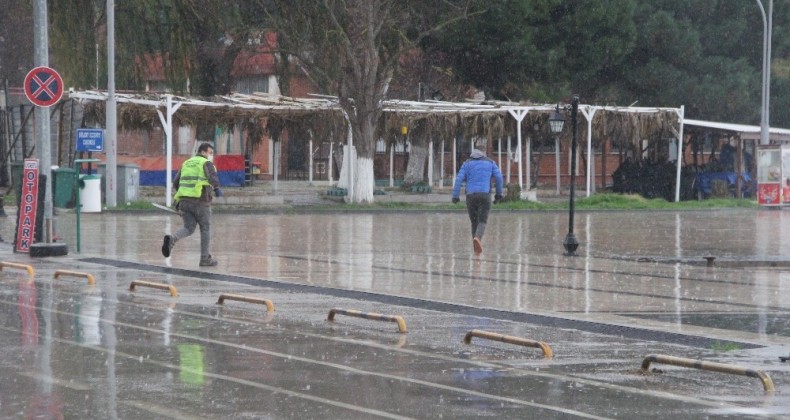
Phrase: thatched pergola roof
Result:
[488,120]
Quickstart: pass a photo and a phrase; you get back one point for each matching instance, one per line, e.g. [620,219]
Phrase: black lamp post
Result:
[556,122]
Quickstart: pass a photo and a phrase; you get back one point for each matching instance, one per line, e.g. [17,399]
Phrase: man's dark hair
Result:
[204,147]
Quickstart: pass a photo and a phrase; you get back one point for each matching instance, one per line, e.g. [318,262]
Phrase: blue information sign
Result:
[90,140]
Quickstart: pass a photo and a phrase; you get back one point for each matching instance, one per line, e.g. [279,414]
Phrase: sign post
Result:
[43,86]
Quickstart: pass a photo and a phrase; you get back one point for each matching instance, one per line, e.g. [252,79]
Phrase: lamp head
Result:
[556,121]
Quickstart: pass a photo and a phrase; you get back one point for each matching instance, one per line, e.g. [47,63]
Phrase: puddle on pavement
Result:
[768,324]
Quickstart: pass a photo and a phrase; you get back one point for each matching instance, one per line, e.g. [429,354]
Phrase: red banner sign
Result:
[26,223]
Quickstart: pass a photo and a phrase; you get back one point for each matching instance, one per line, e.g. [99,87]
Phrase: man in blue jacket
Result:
[477,172]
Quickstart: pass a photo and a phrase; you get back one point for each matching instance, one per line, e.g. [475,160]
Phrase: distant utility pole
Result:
[111,126]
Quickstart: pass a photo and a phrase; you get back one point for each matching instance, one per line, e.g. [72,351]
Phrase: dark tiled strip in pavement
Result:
[541,320]
[555,286]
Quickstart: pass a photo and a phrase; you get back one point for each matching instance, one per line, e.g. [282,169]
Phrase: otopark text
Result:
[29,205]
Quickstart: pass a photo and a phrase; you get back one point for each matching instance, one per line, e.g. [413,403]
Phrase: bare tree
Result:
[351,48]
[16,41]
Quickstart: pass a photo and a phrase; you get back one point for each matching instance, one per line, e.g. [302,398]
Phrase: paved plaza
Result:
[639,286]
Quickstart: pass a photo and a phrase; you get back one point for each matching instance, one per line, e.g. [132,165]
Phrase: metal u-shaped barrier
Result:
[768,384]
[547,351]
[29,268]
[249,299]
[369,315]
[59,273]
[153,285]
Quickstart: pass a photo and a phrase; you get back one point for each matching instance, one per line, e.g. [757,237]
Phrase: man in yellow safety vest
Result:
[196,185]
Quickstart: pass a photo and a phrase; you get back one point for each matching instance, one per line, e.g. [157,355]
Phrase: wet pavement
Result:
[639,286]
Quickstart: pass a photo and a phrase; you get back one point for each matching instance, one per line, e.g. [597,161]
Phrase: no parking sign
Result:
[43,86]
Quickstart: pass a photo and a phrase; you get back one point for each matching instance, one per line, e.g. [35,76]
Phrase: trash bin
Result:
[64,188]
[90,193]
[17,168]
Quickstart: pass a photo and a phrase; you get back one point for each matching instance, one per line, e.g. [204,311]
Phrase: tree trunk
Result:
[363,128]
[364,181]
[342,180]
[415,169]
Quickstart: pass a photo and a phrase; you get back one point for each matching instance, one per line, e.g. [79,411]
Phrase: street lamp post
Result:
[766,92]
[556,122]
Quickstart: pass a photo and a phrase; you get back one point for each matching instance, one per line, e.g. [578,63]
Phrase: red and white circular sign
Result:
[43,86]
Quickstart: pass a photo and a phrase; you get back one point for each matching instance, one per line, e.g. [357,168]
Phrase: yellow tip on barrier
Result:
[768,384]
[369,315]
[29,268]
[249,299]
[547,351]
[88,276]
[161,286]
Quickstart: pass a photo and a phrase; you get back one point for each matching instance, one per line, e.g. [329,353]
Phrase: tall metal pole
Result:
[570,243]
[766,93]
[43,147]
[111,172]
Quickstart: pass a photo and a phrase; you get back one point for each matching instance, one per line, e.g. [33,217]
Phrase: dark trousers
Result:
[195,214]
[478,205]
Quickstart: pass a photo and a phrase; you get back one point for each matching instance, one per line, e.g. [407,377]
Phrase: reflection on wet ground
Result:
[763,323]
[74,350]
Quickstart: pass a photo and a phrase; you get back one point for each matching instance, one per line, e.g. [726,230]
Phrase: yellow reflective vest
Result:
[193,177]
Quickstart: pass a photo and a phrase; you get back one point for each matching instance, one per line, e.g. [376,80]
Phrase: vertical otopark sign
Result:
[28,204]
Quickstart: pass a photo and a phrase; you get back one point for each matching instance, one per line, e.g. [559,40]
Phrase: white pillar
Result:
[167,124]
[520,157]
[455,158]
[310,172]
[519,116]
[276,163]
[392,165]
[331,163]
[681,116]
[509,163]
[589,112]
[499,152]
[528,159]
[430,162]
[441,173]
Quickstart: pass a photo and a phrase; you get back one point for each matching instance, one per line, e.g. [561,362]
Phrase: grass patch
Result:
[9,200]
[611,201]
[603,201]
[724,347]
[527,205]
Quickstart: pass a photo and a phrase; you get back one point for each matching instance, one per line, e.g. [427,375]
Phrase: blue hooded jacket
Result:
[477,173]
